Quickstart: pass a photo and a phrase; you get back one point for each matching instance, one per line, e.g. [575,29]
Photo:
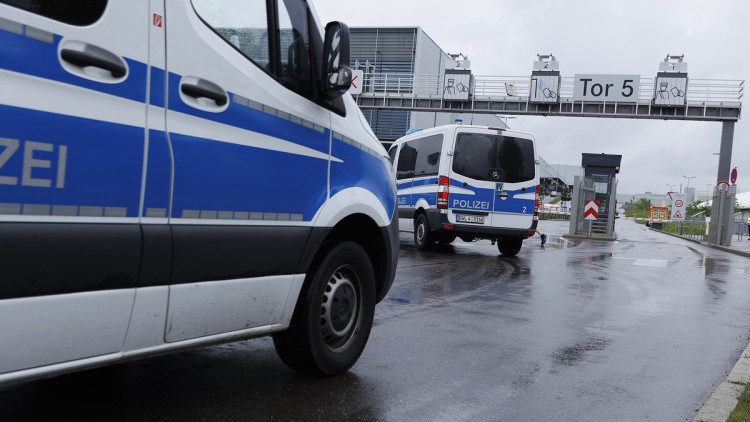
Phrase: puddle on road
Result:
[569,356]
[558,242]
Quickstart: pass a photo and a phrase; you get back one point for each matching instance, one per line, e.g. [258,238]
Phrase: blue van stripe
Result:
[111,169]
[34,57]
[157,90]
[205,188]
[362,170]
[251,115]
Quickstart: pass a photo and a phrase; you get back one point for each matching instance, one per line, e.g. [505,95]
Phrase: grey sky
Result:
[502,38]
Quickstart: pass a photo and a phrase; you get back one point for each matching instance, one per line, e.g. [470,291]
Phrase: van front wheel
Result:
[509,247]
[334,314]
[422,237]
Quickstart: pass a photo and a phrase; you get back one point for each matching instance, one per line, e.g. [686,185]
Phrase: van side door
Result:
[72,106]
[251,151]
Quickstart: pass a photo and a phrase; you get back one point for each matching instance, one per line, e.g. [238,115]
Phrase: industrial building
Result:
[403,52]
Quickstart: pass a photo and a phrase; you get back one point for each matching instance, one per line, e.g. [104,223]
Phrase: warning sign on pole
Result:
[357,82]
[591,210]
[679,206]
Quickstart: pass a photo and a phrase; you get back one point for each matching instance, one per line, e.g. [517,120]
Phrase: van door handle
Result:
[199,90]
[95,59]
[503,195]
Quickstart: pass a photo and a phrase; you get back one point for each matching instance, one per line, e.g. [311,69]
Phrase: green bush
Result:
[641,208]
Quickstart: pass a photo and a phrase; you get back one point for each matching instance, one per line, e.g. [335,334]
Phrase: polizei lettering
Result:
[36,155]
[468,204]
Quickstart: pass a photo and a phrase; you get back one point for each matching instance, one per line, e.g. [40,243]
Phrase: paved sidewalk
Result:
[739,247]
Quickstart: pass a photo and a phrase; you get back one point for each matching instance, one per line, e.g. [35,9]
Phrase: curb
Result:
[724,399]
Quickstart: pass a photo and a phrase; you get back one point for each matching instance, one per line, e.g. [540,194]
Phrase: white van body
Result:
[471,182]
[172,176]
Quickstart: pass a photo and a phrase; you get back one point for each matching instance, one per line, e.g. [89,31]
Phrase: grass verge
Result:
[741,413]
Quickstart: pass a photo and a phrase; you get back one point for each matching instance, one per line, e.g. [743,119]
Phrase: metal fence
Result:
[554,215]
[701,90]
[696,228]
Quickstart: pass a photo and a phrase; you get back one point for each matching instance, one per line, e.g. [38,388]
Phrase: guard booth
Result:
[599,183]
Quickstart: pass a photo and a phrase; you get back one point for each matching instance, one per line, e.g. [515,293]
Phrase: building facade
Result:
[399,53]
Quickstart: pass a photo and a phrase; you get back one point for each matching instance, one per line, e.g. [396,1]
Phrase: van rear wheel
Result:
[334,314]
[422,237]
[509,246]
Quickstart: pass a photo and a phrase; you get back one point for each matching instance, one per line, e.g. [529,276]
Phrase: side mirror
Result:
[337,76]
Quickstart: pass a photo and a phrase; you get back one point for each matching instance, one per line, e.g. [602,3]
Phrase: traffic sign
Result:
[591,210]
[733,178]
[357,82]
[624,88]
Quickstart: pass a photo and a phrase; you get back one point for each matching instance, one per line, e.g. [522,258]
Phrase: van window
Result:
[428,156]
[244,24]
[491,157]
[74,12]
[406,160]
[295,72]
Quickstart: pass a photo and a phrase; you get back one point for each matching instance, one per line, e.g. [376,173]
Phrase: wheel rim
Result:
[340,310]
[420,233]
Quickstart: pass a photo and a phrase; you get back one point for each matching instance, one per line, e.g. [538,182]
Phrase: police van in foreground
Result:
[471,182]
[181,173]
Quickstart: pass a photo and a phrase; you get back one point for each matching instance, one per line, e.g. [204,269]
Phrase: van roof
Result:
[454,126]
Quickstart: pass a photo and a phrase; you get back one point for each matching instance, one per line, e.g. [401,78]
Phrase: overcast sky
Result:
[503,37]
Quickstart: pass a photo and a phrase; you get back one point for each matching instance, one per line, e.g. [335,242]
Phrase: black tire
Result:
[509,246]
[423,239]
[334,314]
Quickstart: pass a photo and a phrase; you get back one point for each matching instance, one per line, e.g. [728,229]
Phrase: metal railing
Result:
[518,87]
[693,228]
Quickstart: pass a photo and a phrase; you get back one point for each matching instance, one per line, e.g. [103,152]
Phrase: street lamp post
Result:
[688,181]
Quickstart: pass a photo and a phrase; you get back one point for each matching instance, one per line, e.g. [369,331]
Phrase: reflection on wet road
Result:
[641,328]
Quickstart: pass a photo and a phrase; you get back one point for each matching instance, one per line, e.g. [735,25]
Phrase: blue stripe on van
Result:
[427,181]
[249,118]
[157,91]
[38,58]
[158,176]
[359,169]
[214,177]
[101,169]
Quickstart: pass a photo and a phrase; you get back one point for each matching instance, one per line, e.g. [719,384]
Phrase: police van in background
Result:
[181,173]
[471,182]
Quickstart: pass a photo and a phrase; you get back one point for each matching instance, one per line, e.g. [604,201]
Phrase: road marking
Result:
[651,262]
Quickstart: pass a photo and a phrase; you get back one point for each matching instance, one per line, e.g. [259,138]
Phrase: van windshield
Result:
[494,157]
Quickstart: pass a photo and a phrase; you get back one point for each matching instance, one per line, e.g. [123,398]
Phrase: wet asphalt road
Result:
[639,329]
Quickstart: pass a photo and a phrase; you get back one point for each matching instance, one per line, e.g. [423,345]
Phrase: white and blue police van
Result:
[179,173]
[470,182]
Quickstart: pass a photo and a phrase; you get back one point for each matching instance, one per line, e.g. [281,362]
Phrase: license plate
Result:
[476,219]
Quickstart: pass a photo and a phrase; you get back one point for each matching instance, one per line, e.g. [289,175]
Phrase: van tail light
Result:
[442,193]
[536,202]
